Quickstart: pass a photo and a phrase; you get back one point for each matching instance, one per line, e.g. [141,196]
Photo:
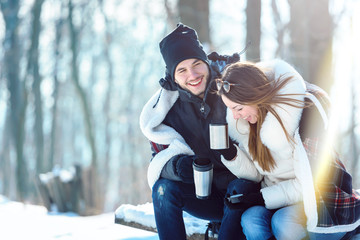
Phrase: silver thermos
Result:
[219,137]
[203,175]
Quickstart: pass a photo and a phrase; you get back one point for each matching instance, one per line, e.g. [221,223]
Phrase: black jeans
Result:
[231,228]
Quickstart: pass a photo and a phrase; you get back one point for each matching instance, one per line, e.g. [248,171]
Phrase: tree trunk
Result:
[80,91]
[33,70]
[5,162]
[18,99]
[253,29]
[280,29]
[311,41]
[195,14]
[107,104]
[55,95]
[94,191]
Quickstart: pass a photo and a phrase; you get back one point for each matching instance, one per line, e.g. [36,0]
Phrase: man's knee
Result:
[163,191]
[159,187]
[242,186]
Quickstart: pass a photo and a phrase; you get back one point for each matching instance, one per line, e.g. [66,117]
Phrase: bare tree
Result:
[18,95]
[311,32]
[253,29]
[91,176]
[280,28]
[107,103]
[33,71]
[7,178]
[172,17]
[196,15]
[55,95]
[79,90]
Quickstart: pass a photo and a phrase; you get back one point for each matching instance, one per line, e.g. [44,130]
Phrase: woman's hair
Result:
[254,88]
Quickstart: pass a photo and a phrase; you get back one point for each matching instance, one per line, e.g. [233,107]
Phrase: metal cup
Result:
[219,137]
[203,175]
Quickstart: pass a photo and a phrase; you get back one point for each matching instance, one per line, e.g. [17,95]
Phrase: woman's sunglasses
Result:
[225,85]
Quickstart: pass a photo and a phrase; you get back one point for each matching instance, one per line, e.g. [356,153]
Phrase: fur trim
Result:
[271,133]
[151,118]
[303,173]
[320,108]
[156,165]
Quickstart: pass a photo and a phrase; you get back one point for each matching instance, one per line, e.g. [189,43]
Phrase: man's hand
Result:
[184,169]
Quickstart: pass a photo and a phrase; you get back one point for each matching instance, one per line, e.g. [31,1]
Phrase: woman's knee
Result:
[251,216]
[288,218]
[256,223]
[276,221]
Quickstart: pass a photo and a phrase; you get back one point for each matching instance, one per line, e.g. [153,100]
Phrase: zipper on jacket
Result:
[202,108]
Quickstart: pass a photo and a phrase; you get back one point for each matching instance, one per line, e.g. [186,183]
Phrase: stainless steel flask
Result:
[219,137]
[203,175]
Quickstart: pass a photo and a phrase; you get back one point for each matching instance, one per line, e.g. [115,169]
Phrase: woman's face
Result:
[246,112]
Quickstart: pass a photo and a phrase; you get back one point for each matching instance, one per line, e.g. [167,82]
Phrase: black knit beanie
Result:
[179,45]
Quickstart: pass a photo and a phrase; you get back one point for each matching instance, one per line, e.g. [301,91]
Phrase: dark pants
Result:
[170,198]
[231,221]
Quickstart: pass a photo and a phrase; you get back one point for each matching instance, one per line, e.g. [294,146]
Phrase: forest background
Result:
[75,74]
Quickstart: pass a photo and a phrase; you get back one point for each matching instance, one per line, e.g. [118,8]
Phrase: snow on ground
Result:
[23,221]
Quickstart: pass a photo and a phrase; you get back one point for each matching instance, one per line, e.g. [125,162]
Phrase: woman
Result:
[267,106]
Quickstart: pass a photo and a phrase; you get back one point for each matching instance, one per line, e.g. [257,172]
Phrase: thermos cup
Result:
[219,138]
[203,175]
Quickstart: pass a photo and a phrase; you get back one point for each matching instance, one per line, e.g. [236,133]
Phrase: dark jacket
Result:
[190,117]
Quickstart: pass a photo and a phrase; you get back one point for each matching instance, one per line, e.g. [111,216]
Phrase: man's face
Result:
[192,75]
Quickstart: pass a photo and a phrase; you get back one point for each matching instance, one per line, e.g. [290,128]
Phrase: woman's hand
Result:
[245,201]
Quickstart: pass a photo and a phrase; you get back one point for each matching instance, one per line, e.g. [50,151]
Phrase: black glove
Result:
[167,82]
[230,152]
[214,56]
[184,169]
[245,201]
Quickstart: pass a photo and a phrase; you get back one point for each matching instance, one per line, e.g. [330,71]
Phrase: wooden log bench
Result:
[142,217]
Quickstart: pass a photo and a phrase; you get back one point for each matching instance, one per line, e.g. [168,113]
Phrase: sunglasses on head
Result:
[225,85]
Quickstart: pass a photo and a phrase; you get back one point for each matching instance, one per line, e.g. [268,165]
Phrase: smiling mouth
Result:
[195,83]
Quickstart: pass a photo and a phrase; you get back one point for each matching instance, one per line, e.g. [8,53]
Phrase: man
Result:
[176,121]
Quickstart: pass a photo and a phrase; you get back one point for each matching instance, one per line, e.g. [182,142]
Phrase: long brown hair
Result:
[254,88]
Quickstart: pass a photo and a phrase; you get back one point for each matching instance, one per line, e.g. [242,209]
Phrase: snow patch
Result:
[144,215]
